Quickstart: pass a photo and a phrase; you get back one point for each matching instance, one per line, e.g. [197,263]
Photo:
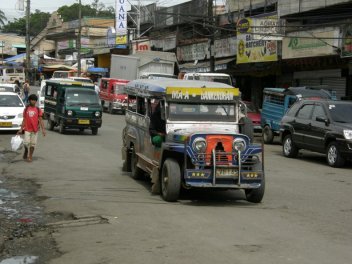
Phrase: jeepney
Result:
[186,134]
[72,105]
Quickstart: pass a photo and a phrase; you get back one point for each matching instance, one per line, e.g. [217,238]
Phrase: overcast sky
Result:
[50,6]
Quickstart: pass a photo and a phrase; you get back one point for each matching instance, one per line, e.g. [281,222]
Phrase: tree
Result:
[38,21]
[2,18]
[96,9]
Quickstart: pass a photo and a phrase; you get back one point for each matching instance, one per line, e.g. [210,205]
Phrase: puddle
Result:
[7,194]
[20,260]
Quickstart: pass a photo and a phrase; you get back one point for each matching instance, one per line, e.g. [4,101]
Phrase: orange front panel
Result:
[214,140]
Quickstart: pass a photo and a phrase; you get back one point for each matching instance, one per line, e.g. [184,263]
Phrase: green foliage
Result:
[38,22]
[96,9]
[2,18]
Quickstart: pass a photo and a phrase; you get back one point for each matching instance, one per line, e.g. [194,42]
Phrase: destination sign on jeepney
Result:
[201,94]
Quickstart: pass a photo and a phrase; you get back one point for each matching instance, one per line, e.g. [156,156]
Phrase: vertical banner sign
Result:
[121,23]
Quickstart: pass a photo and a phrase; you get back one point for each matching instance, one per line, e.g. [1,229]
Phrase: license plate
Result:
[5,124]
[83,122]
[226,173]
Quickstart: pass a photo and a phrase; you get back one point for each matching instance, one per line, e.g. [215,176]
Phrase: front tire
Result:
[268,135]
[170,180]
[289,148]
[94,130]
[333,156]
[256,195]
[50,124]
[111,110]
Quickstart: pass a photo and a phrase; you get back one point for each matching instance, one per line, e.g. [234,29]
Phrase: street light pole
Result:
[212,36]
[28,41]
[79,40]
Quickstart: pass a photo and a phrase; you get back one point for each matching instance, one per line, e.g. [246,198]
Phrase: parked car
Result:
[254,115]
[323,126]
[276,102]
[11,111]
[191,134]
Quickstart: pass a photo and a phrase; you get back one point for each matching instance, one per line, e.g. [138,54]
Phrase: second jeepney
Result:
[187,134]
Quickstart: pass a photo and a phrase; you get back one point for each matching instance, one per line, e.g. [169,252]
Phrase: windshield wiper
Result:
[340,121]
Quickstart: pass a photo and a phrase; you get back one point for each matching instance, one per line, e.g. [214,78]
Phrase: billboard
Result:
[250,49]
[121,23]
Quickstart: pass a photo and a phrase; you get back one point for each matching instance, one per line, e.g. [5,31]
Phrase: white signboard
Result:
[310,44]
[223,48]
[268,28]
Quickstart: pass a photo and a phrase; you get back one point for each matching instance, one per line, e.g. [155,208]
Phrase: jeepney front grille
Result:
[226,159]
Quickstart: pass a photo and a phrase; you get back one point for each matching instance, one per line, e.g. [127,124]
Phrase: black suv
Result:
[320,126]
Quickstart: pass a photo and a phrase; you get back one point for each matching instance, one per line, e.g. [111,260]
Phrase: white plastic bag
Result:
[16,143]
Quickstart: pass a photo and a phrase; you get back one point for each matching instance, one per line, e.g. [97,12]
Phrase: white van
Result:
[209,77]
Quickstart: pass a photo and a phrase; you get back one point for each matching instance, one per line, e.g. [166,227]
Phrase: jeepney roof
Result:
[70,83]
[150,87]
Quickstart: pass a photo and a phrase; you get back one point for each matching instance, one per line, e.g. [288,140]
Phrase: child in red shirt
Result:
[32,118]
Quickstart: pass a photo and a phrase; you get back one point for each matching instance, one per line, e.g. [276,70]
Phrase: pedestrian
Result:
[17,87]
[32,118]
[26,91]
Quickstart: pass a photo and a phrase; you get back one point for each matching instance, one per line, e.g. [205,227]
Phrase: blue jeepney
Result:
[185,134]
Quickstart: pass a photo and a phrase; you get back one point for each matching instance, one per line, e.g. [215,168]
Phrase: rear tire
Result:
[333,156]
[136,172]
[170,180]
[256,195]
[268,135]
[289,148]
[62,129]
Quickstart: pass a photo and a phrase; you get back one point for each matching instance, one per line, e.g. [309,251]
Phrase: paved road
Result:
[305,216]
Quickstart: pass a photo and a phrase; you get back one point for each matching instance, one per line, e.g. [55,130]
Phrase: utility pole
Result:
[79,39]
[28,41]
[212,36]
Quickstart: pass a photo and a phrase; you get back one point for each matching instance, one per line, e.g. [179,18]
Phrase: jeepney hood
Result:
[180,132]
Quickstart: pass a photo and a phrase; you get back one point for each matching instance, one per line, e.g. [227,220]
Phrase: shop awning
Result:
[57,67]
[16,58]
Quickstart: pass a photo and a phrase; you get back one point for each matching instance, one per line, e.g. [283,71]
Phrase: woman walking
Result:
[26,91]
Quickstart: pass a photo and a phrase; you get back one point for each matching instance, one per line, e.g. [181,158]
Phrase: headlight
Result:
[347,133]
[20,115]
[97,114]
[199,145]
[69,113]
[239,144]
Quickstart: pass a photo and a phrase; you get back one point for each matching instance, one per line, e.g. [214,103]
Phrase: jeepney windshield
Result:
[81,97]
[201,112]
[119,89]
